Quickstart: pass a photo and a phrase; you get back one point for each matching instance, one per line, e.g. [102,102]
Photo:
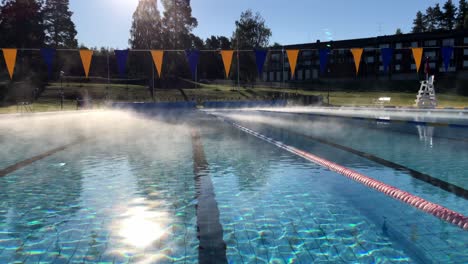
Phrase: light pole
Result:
[238,59]
[61,89]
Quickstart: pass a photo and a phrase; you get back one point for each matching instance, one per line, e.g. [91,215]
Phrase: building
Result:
[341,63]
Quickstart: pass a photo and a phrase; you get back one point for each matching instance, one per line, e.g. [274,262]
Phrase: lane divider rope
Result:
[415,201]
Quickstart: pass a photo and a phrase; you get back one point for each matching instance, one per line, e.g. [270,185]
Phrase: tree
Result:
[433,18]
[419,24]
[146,28]
[398,31]
[21,24]
[60,30]
[448,18]
[178,23]
[462,14]
[251,31]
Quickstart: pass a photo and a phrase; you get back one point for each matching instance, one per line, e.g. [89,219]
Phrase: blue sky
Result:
[107,22]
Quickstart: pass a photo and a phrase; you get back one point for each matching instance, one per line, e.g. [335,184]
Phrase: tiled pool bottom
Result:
[277,208]
[105,201]
[129,195]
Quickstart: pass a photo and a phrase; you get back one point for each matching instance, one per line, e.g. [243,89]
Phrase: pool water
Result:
[130,192]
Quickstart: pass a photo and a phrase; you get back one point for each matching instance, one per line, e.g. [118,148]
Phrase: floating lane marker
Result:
[415,201]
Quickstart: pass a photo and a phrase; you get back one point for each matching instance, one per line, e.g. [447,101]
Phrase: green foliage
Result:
[398,31]
[448,18]
[146,31]
[251,31]
[21,24]
[59,28]
[418,24]
[178,23]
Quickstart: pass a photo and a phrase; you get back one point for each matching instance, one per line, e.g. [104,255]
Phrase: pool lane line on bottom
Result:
[29,161]
[434,209]
[212,248]
[446,186]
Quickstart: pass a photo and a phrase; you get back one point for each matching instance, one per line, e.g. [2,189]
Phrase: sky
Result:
[106,23]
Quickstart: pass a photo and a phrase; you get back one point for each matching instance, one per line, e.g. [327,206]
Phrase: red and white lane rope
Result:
[415,201]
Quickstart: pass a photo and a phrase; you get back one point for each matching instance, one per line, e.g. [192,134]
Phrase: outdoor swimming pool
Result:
[193,188]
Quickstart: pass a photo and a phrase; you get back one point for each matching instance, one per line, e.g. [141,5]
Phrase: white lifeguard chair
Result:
[426,97]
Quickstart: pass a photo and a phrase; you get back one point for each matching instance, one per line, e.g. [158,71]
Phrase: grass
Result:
[49,101]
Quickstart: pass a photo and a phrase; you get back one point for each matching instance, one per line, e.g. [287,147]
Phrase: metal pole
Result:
[238,60]
[108,74]
[282,54]
[152,89]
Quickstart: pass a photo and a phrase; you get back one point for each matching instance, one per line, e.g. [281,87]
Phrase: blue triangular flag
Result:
[447,53]
[192,57]
[387,54]
[122,56]
[323,55]
[48,54]
[260,57]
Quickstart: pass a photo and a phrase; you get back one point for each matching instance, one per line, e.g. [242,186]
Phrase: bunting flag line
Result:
[292,58]
[417,55]
[48,54]
[121,56]
[447,53]
[323,54]
[158,57]
[260,57]
[227,60]
[387,54]
[357,55]
[192,57]
[86,57]
[10,60]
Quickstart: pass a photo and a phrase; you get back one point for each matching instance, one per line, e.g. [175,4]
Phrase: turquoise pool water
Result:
[131,191]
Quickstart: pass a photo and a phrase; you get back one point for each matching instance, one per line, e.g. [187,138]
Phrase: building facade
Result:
[341,63]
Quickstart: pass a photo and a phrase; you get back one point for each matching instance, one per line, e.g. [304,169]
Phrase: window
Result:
[381,68]
[286,64]
[398,45]
[399,56]
[430,43]
[265,76]
[414,44]
[307,62]
[432,65]
[307,53]
[465,52]
[413,66]
[465,64]
[285,75]
[384,46]
[278,76]
[430,54]
[299,75]
[307,75]
[448,42]
[397,67]
[465,40]
[370,59]
[272,76]
[341,51]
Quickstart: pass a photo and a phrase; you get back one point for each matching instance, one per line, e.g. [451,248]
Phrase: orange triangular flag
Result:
[158,57]
[86,57]
[357,54]
[292,57]
[417,54]
[10,60]
[227,60]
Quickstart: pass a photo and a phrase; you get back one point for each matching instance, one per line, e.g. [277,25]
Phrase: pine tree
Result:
[146,28]
[462,14]
[433,18]
[419,24]
[21,24]
[448,20]
[59,28]
[178,23]
[398,31]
